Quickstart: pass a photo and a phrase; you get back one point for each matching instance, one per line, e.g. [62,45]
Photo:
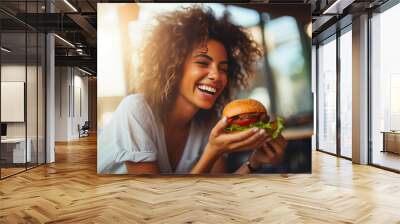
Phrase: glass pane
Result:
[345,94]
[327,97]
[31,97]
[385,85]
[13,87]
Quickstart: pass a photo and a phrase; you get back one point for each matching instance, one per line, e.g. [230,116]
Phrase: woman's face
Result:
[204,75]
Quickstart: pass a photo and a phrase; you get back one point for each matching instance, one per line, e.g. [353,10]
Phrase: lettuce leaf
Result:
[267,126]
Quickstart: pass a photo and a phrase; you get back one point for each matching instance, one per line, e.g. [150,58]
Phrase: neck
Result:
[181,113]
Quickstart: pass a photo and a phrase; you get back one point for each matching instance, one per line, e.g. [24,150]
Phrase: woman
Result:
[190,66]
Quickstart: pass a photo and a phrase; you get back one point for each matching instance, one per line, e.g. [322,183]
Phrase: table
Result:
[13,150]
[298,133]
[391,141]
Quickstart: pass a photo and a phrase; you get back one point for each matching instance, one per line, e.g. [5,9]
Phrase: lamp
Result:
[70,5]
[64,40]
[5,50]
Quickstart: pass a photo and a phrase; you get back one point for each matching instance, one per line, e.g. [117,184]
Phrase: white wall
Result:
[62,81]
[70,83]
[80,83]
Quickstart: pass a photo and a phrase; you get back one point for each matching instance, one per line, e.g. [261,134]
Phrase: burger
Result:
[244,114]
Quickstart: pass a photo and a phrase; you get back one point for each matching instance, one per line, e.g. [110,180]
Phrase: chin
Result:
[205,105]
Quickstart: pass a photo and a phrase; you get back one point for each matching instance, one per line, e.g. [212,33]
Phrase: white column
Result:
[360,90]
[50,94]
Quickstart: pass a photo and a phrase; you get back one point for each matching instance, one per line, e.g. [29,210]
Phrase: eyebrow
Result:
[201,55]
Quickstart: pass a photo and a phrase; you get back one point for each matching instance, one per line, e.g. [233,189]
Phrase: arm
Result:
[244,169]
[210,162]
[207,159]
[219,166]
[142,168]
[121,148]
[216,164]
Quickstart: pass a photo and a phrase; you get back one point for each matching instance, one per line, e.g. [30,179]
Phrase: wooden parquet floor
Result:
[69,191]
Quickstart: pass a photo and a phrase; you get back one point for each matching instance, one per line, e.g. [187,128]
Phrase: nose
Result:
[213,74]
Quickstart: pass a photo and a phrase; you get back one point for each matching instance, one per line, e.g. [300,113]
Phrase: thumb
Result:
[220,126]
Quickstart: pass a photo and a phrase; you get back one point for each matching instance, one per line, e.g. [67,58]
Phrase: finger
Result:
[259,143]
[276,147]
[243,135]
[254,139]
[268,151]
[280,138]
[264,158]
[251,142]
[268,139]
[261,156]
[220,126]
[282,142]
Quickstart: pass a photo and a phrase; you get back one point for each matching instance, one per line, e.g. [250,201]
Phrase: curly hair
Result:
[173,38]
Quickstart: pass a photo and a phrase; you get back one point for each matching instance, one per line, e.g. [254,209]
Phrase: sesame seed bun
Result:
[243,106]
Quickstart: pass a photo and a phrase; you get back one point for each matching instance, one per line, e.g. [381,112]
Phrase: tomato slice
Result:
[245,122]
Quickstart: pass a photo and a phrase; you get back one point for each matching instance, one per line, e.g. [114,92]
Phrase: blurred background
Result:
[282,81]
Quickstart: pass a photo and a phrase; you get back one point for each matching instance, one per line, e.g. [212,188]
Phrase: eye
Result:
[224,70]
[202,63]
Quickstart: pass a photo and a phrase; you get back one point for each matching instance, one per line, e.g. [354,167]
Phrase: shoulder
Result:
[134,108]
[133,102]
[134,105]
[133,113]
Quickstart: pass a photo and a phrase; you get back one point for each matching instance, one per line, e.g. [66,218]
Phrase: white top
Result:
[136,134]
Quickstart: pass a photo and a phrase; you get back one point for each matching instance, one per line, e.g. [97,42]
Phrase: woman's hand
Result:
[271,152]
[220,141]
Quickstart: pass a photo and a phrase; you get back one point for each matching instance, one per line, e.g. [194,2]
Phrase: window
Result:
[327,96]
[385,88]
[346,94]
[22,65]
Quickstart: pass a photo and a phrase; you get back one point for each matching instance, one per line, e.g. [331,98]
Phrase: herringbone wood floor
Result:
[69,191]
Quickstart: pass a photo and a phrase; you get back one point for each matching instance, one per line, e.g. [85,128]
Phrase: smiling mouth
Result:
[207,89]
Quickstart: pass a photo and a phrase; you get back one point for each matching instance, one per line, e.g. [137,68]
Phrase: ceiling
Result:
[76,24]
[330,15]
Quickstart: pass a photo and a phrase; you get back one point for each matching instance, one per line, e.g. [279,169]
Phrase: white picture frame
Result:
[12,101]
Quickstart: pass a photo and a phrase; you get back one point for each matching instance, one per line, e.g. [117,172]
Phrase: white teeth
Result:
[207,88]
